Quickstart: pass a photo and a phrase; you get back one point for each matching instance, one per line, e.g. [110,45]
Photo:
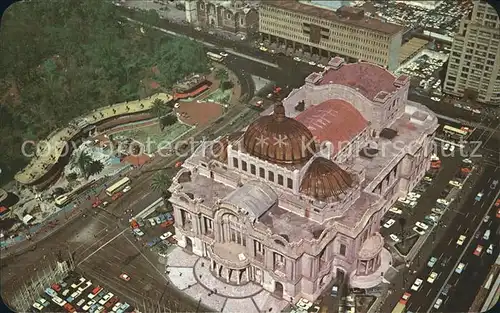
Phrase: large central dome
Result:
[279,139]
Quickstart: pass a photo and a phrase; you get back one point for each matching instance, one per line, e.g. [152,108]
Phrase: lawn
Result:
[151,136]
[219,96]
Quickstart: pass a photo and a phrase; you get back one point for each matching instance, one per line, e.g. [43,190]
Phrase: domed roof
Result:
[325,179]
[279,139]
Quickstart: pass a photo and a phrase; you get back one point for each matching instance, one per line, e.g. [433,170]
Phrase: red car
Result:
[497,204]
[116,195]
[178,164]
[96,203]
[125,277]
[56,287]
[478,250]
[404,298]
[498,213]
[111,302]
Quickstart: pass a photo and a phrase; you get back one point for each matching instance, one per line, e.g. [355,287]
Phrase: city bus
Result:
[214,56]
[62,200]
[119,185]
[455,133]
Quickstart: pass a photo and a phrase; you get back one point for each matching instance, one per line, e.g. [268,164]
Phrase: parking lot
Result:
[424,70]
[443,19]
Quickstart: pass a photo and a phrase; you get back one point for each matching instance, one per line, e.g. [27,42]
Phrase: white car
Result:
[389,223]
[432,277]
[395,210]
[412,204]
[490,249]
[312,63]
[405,201]
[166,235]
[126,189]
[38,306]
[394,238]
[460,268]
[417,284]
[455,183]
[320,65]
[443,202]
[198,29]
[88,305]
[486,219]
[414,195]
[152,221]
[434,157]
[437,211]
[82,301]
[223,54]
[438,303]
[419,230]
[297,59]
[138,232]
[106,298]
[461,240]
[467,161]
[422,225]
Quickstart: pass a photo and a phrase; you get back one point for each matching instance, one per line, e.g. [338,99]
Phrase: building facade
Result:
[295,199]
[322,32]
[474,63]
[235,16]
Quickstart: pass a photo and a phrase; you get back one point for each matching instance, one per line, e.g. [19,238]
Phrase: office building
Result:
[318,32]
[474,63]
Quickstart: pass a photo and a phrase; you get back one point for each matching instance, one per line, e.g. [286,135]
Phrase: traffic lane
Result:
[449,247]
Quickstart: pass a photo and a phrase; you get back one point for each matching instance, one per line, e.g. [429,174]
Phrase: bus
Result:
[455,133]
[215,56]
[119,185]
[399,308]
[62,200]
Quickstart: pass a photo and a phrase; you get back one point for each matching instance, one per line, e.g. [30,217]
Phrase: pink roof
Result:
[154,85]
[368,78]
[336,121]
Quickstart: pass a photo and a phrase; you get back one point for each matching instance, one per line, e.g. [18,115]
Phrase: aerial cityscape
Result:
[250,156]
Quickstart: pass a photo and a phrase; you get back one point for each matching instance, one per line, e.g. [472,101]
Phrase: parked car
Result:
[394,238]
[422,225]
[395,210]
[166,235]
[419,230]
[443,202]
[437,211]
[389,223]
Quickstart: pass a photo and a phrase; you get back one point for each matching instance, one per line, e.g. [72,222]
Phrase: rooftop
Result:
[345,15]
[57,141]
[335,120]
[369,79]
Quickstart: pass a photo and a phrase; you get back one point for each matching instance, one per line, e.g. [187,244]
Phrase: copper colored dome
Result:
[325,179]
[279,139]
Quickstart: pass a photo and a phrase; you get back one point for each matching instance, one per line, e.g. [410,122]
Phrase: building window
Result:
[209,225]
[235,162]
[271,175]
[289,183]
[244,166]
[279,262]
[259,250]
[280,179]
[252,169]
[262,172]
[342,249]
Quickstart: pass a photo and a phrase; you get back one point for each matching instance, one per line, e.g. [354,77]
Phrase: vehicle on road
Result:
[62,200]
[438,303]
[486,219]
[389,223]
[104,204]
[446,289]
[395,210]
[490,249]
[166,235]
[297,59]
[478,250]
[96,203]
[486,235]
[498,213]
[432,261]
[119,185]
[117,195]
[479,196]
[126,189]
[178,164]
[460,268]
[404,299]
[224,54]
[394,238]
[432,277]
[467,161]
[417,284]
[419,230]
[497,203]
[461,240]
[125,277]
[335,291]
[320,65]
[494,184]
[422,225]
[312,63]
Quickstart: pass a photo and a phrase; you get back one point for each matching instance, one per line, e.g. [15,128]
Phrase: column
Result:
[228,273]
[247,270]
[219,270]
[238,277]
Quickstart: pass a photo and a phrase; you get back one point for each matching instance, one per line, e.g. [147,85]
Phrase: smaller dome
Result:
[325,179]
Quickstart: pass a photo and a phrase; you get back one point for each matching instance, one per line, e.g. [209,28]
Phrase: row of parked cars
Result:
[76,298]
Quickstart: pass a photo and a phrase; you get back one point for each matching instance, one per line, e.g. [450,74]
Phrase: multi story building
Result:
[474,63]
[322,32]
[296,199]
[234,15]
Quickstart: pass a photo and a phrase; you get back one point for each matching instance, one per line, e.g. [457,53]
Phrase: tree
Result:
[221,75]
[83,162]
[160,110]
[160,183]
[95,167]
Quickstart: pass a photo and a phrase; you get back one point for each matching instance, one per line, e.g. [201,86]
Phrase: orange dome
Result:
[279,139]
[325,179]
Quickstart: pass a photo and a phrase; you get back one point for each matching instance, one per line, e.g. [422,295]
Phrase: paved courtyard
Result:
[192,275]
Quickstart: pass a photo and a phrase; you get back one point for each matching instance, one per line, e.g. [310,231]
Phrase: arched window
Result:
[232,229]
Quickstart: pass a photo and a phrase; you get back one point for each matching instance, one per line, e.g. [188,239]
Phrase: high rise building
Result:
[318,32]
[474,64]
